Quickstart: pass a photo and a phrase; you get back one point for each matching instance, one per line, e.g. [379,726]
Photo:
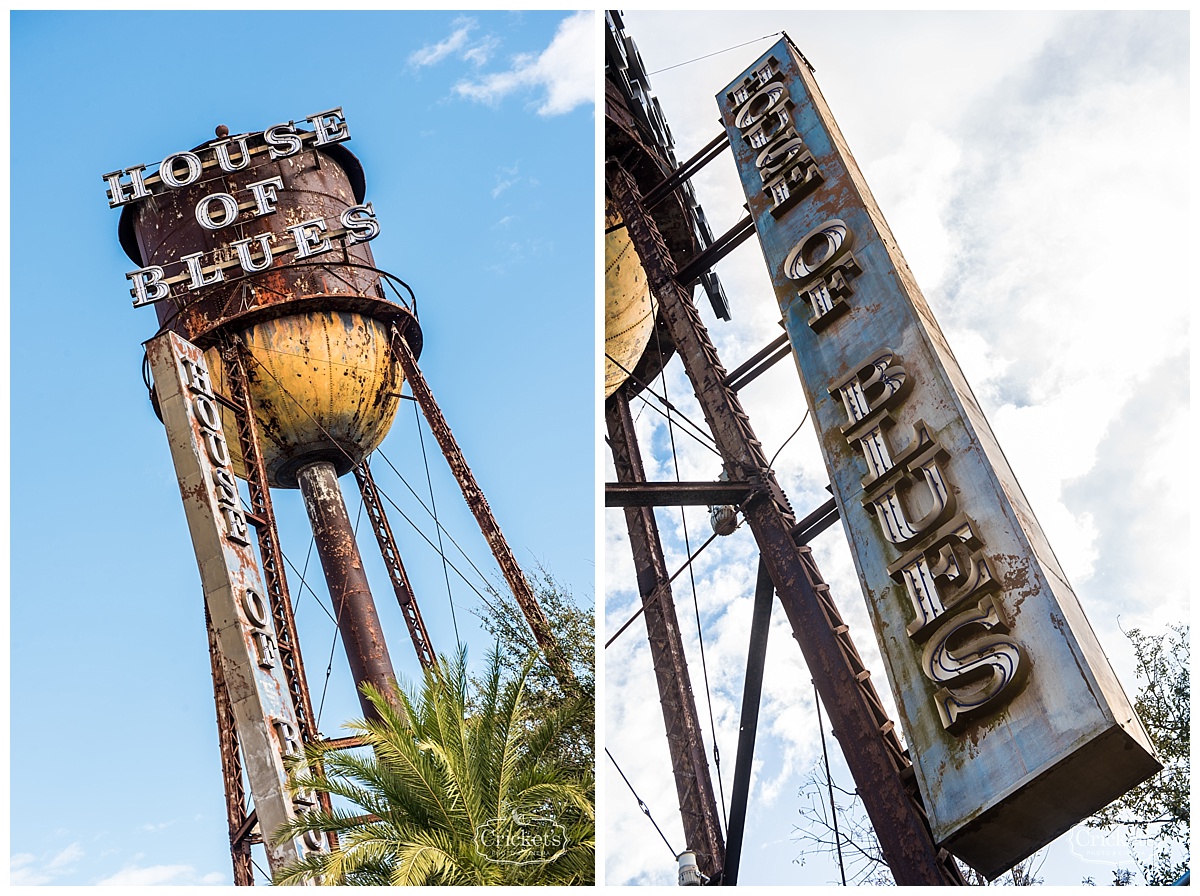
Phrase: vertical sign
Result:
[241,619]
[1017,726]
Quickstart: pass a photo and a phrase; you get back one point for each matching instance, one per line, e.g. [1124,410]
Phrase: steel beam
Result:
[673,494]
[756,660]
[693,784]
[816,522]
[724,244]
[688,169]
[759,363]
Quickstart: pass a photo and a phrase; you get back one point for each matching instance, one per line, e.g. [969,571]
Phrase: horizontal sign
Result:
[219,210]
[1017,726]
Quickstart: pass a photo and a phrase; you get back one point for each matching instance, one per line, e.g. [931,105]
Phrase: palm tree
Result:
[454,790]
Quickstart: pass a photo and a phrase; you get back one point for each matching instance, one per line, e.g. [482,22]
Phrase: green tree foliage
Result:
[462,785]
[1156,815]
[575,629]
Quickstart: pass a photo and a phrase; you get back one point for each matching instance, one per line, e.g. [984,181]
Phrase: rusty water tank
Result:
[629,308]
[322,379]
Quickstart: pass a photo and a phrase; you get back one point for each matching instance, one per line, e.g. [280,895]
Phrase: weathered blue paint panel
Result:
[1017,725]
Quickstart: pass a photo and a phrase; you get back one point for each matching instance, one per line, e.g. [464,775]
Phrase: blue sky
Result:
[1014,156]
[476,134]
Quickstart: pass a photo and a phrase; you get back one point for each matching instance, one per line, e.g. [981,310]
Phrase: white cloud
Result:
[479,53]
[66,857]
[565,71]
[25,869]
[156,875]
[505,178]
[435,53]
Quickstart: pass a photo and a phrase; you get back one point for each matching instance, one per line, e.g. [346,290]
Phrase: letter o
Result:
[759,104]
[204,211]
[255,607]
[816,250]
[206,412]
[166,170]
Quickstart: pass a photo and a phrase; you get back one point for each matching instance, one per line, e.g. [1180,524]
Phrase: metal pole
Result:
[353,605]
[693,783]
[756,659]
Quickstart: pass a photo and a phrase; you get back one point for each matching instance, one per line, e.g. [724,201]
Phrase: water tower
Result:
[279,359]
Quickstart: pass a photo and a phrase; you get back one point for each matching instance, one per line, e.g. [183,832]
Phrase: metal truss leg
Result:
[231,767]
[866,735]
[395,568]
[483,515]
[697,804]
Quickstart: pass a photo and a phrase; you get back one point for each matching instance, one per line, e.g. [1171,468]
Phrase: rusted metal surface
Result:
[267,533]
[265,718]
[245,422]
[231,765]
[353,605]
[693,783]
[324,386]
[315,328]
[868,740]
[758,363]
[316,183]
[1014,716]
[673,494]
[475,499]
[395,567]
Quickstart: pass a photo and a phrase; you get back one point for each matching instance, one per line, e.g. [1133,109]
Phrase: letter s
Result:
[979,676]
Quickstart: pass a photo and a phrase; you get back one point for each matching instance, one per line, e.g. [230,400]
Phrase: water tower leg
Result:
[358,622]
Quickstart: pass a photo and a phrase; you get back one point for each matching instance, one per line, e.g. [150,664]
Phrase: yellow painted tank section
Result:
[324,387]
[629,309]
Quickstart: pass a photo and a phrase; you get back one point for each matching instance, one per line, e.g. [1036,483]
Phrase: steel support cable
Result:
[438,525]
[288,560]
[312,540]
[466,581]
[695,599]
[788,439]
[259,869]
[709,55]
[442,528]
[699,435]
[317,423]
[677,574]
[476,501]
[528,644]
[641,804]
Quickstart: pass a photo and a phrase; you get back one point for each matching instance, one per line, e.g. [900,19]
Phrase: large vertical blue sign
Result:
[1017,726]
